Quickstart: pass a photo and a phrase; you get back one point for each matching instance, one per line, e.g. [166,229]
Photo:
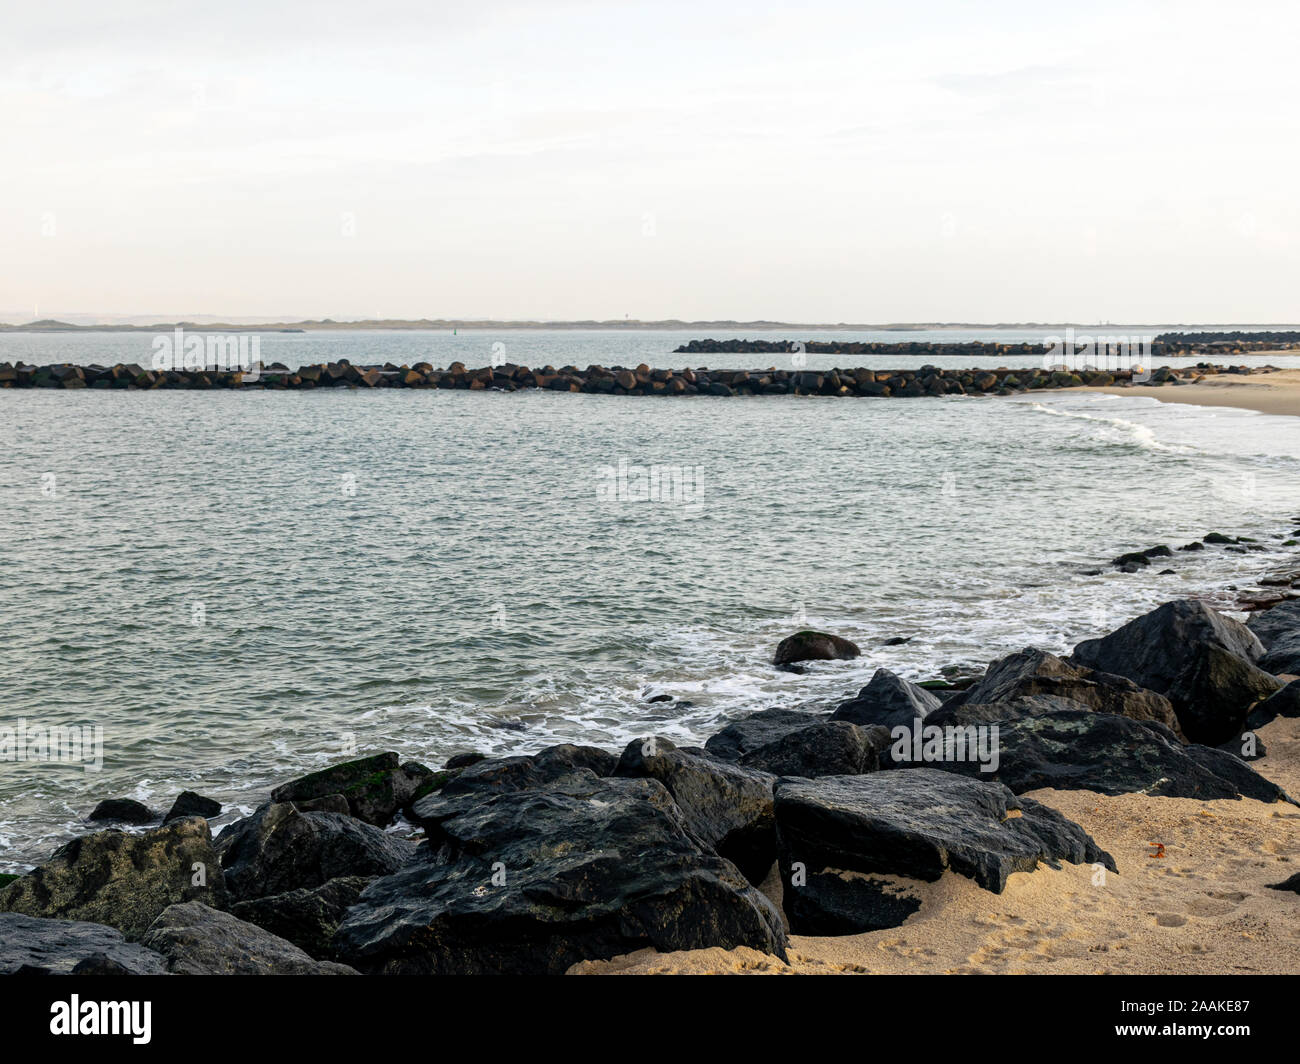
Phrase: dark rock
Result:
[955,713]
[531,881]
[758,729]
[556,761]
[1278,629]
[829,748]
[329,803]
[726,806]
[464,760]
[813,646]
[1286,703]
[62,947]
[375,787]
[1279,622]
[279,849]
[103,964]
[123,810]
[1248,746]
[1031,673]
[913,824]
[1202,661]
[307,918]
[1141,558]
[190,804]
[1082,750]
[888,700]
[110,877]
[198,940]
[848,903]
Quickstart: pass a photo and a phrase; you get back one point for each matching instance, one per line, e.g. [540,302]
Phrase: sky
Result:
[812,162]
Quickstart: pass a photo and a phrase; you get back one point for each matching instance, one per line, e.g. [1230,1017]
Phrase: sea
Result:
[229,589]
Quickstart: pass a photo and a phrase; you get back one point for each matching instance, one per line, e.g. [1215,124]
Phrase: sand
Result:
[1204,907]
[1266,393]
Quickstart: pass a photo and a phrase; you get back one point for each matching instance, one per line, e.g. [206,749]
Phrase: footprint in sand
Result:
[1215,903]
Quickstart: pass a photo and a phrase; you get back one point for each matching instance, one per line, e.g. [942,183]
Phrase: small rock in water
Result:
[814,646]
[123,810]
[190,804]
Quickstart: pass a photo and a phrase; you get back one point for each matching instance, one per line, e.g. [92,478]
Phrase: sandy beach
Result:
[1205,907]
[1267,393]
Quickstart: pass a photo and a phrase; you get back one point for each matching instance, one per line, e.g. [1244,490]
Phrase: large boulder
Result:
[532,880]
[30,945]
[954,713]
[478,777]
[1082,750]
[726,806]
[375,787]
[888,700]
[828,748]
[1285,703]
[125,881]
[279,849]
[198,940]
[1276,623]
[914,826]
[1278,630]
[758,729]
[1202,661]
[1034,673]
[813,646]
[307,917]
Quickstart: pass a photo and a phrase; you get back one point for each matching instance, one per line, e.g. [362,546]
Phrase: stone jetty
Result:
[858,381]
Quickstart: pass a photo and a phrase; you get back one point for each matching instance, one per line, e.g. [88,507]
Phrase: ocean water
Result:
[241,587]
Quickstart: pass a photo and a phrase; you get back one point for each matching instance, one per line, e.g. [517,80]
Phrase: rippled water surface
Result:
[241,587]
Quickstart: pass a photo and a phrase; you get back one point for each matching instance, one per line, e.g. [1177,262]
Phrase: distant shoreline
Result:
[49,325]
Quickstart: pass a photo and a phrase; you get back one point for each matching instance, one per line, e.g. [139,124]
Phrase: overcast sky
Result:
[925,161]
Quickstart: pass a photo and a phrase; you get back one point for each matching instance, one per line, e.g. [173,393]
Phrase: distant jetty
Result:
[858,381]
[1167,345]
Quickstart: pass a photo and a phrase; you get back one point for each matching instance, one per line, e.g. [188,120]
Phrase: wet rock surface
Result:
[533,880]
[1202,661]
[198,940]
[914,824]
[31,945]
[124,881]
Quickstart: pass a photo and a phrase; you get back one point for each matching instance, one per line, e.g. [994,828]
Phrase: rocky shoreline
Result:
[785,822]
[857,382]
[1167,345]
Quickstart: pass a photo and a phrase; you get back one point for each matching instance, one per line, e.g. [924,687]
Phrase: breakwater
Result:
[642,380]
[1167,345]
